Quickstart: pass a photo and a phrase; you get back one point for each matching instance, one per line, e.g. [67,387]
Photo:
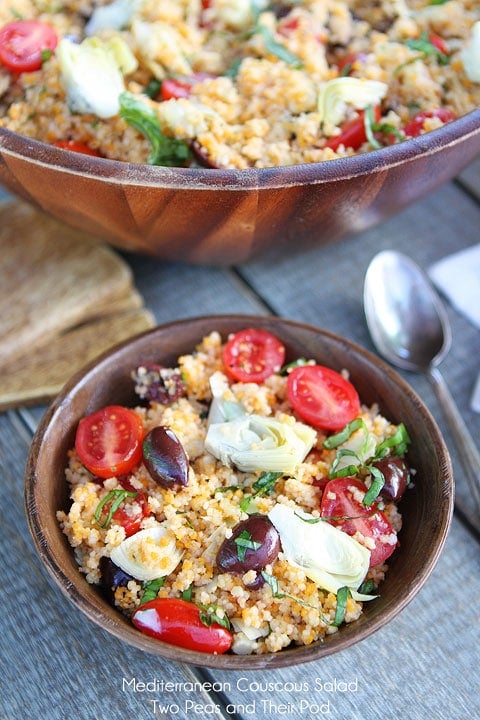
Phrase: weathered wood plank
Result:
[325,287]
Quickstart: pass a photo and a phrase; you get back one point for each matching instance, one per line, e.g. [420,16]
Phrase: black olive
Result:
[112,578]
[254,543]
[165,458]
[396,474]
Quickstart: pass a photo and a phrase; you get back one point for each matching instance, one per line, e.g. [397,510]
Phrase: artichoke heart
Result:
[336,94]
[149,554]
[471,55]
[327,555]
[92,73]
[255,442]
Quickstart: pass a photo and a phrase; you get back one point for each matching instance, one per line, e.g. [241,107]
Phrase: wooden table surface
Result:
[424,664]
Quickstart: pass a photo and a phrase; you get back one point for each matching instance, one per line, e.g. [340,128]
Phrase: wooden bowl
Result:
[222,217]
[426,508]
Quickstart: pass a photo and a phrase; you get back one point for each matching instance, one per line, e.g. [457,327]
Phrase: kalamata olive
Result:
[158,384]
[253,544]
[396,474]
[112,578]
[165,458]
[201,156]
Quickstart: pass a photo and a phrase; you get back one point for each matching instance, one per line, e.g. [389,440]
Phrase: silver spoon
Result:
[409,327]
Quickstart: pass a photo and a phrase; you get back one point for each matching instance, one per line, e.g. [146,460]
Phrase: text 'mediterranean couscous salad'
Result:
[235,83]
[244,505]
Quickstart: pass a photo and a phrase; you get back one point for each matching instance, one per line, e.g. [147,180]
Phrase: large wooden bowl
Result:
[426,508]
[222,217]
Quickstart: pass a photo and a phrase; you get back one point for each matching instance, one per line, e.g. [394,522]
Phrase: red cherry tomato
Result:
[439,43]
[252,355]
[178,622]
[345,64]
[109,441]
[415,126]
[322,397]
[341,508]
[24,43]
[352,133]
[76,146]
[131,519]
[181,87]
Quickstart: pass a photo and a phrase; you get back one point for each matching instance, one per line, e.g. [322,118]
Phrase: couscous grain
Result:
[146,538]
[236,84]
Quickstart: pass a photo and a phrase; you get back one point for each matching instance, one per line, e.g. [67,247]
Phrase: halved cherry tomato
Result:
[439,43]
[341,508]
[353,133]
[346,63]
[131,513]
[76,146]
[322,397]
[109,441]
[181,87]
[24,43]
[252,355]
[178,622]
[415,126]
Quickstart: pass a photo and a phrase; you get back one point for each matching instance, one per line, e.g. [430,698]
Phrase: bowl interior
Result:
[426,508]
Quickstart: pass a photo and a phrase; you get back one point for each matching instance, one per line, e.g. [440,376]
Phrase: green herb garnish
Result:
[367,587]
[397,444]
[263,486]
[209,615]
[115,498]
[150,589]
[343,594]
[164,150]
[188,593]
[427,48]
[300,362]
[244,542]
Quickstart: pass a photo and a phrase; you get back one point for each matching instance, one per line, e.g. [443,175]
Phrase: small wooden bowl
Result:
[426,508]
[222,217]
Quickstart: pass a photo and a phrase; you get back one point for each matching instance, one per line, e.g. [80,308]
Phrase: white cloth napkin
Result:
[458,277]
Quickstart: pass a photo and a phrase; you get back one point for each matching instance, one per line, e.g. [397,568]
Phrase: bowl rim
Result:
[298,654]
[124,173]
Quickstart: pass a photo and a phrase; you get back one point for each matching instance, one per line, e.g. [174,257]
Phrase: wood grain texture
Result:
[428,506]
[227,217]
[422,665]
[42,371]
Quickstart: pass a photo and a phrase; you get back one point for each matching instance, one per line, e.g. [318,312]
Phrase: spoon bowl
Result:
[409,327]
[406,319]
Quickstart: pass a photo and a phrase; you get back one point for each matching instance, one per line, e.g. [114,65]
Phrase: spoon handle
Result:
[468,452]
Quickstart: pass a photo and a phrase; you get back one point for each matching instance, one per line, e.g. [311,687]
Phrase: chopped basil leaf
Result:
[310,521]
[367,587]
[369,121]
[341,437]
[266,482]
[209,615]
[244,542]
[263,486]
[164,150]
[427,48]
[300,362]
[378,481]
[397,443]
[150,589]
[153,88]
[272,581]
[187,594]
[276,48]
[115,498]
[343,594]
